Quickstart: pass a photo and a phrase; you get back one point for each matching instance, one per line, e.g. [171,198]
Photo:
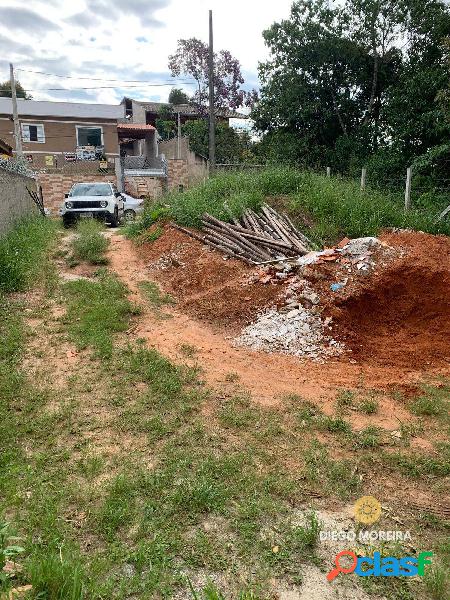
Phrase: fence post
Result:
[363,178]
[328,171]
[408,188]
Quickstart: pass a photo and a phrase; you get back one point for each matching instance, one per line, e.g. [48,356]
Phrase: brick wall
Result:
[142,187]
[55,185]
[15,202]
[177,174]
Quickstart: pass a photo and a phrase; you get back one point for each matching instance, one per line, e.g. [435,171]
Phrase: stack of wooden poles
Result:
[256,238]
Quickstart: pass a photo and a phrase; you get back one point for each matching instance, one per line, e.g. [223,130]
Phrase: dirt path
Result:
[268,377]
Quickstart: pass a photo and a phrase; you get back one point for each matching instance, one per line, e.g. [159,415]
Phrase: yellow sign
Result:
[103,164]
[49,161]
[367,510]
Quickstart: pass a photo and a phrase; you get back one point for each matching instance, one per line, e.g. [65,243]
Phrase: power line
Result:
[99,87]
[101,78]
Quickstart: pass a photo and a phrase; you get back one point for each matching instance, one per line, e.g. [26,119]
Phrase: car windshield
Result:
[91,189]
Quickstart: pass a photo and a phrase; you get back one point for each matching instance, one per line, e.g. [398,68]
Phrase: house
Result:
[149,112]
[55,133]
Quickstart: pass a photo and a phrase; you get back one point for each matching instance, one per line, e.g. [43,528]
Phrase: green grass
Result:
[336,207]
[153,294]
[90,244]
[22,252]
[434,402]
[96,310]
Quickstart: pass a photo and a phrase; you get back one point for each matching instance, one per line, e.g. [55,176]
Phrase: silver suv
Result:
[93,200]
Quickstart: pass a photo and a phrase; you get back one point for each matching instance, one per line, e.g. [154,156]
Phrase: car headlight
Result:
[69,204]
[103,203]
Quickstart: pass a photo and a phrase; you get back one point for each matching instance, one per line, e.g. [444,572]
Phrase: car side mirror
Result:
[117,194]
[66,195]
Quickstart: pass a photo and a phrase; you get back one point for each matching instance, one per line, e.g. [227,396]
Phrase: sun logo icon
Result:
[367,510]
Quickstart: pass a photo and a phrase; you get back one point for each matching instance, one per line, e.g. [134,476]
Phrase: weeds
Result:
[433,403]
[95,311]
[90,244]
[436,582]
[22,251]
[336,207]
[368,437]
[369,406]
[154,295]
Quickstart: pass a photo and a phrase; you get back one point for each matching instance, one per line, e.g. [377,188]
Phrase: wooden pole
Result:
[408,188]
[17,132]
[212,120]
[363,178]
[328,171]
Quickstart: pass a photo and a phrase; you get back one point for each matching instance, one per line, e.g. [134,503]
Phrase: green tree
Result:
[231,147]
[177,96]
[5,90]
[354,82]
[165,123]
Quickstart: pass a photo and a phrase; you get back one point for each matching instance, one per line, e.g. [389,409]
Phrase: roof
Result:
[44,108]
[188,110]
[134,127]
[5,148]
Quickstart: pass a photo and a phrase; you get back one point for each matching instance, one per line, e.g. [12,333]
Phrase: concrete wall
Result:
[177,174]
[15,202]
[55,185]
[197,167]
[143,187]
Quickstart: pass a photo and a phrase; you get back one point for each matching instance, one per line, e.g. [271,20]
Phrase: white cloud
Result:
[117,39]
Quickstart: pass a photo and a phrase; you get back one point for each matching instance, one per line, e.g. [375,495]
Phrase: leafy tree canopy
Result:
[231,147]
[5,90]
[355,81]
[191,59]
[177,96]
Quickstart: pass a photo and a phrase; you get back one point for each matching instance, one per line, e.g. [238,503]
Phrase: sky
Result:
[123,40]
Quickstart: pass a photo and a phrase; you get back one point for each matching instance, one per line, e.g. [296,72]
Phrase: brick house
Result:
[55,133]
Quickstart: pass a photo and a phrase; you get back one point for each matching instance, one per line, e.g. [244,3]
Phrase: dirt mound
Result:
[396,314]
[204,283]
[401,315]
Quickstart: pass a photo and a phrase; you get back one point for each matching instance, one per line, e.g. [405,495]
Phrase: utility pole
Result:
[17,132]
[212,117]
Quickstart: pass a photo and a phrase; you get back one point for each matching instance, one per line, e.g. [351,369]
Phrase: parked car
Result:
[98,200]
[133,207]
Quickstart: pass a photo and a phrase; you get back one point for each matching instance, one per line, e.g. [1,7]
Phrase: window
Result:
[33,133]
[89,136]
[91,189]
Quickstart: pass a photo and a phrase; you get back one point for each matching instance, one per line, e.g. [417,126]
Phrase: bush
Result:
[90,244]
[21,252]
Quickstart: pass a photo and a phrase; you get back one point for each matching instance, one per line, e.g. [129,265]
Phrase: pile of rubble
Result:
[297,327]
[299,332]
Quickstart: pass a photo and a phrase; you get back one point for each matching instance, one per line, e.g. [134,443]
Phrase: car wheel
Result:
[114,219]
[68,221]
[129,215]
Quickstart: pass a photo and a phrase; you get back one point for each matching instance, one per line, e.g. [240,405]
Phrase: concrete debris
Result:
[360,246]
[298,332]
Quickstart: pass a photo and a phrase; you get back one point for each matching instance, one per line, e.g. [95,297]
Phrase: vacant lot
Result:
[143,455]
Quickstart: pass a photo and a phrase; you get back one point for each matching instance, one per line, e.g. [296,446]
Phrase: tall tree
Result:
[339,73]
[191,58]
